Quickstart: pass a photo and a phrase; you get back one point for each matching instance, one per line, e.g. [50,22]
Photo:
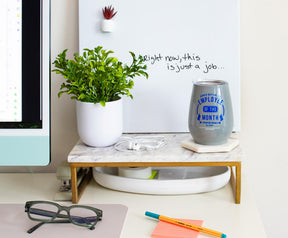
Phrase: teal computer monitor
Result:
[24,82]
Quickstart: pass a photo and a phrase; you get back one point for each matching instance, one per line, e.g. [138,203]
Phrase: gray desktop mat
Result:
[14,222]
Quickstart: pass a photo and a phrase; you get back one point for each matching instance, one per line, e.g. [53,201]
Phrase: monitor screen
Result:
[24,82]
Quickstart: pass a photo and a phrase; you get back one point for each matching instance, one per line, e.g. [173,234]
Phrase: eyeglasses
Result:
[47,212]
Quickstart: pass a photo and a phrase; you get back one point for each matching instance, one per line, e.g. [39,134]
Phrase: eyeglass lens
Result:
[43,211]
[83,216]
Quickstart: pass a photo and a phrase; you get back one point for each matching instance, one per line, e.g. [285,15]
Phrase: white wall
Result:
[64,35]
[264,51]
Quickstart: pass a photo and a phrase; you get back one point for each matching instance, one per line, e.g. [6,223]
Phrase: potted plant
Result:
[97,82]
[108,23]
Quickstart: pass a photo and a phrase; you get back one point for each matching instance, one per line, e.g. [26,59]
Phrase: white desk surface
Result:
[217,208]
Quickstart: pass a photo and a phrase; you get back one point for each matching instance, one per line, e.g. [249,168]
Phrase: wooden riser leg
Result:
[74,186]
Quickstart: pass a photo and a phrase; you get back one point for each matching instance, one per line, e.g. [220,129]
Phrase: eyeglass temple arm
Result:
[46,213]
[41,223]
[52,214]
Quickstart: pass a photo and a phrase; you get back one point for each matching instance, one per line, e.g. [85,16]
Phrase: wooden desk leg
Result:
[238,183]
[74,183]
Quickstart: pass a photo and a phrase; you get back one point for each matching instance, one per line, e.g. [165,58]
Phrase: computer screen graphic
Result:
[10,61]
[20,64]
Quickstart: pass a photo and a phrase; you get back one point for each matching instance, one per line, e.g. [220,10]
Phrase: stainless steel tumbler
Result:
[210,116]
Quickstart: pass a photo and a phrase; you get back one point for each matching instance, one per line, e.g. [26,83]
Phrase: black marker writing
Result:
[181,62]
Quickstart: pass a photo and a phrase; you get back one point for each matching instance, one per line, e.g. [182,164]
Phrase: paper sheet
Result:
[167,230]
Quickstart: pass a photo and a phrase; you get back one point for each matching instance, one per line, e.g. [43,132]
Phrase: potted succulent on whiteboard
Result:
[97,82]
[108,23]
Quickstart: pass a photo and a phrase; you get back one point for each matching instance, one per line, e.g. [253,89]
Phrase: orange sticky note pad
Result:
[167,230]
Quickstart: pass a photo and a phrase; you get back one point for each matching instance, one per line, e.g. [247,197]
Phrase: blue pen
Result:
[186,224]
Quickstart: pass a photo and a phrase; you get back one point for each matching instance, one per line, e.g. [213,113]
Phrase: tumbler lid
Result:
[210,82]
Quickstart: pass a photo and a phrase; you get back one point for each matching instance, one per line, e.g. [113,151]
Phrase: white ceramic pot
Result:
[99,126]
[107,25]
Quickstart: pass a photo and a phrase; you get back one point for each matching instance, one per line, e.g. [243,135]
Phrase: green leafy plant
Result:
[96,77]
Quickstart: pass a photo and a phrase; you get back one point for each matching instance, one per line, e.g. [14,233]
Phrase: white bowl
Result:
[169,180]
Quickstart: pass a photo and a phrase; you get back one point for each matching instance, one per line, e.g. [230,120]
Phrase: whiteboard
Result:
[182,41]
